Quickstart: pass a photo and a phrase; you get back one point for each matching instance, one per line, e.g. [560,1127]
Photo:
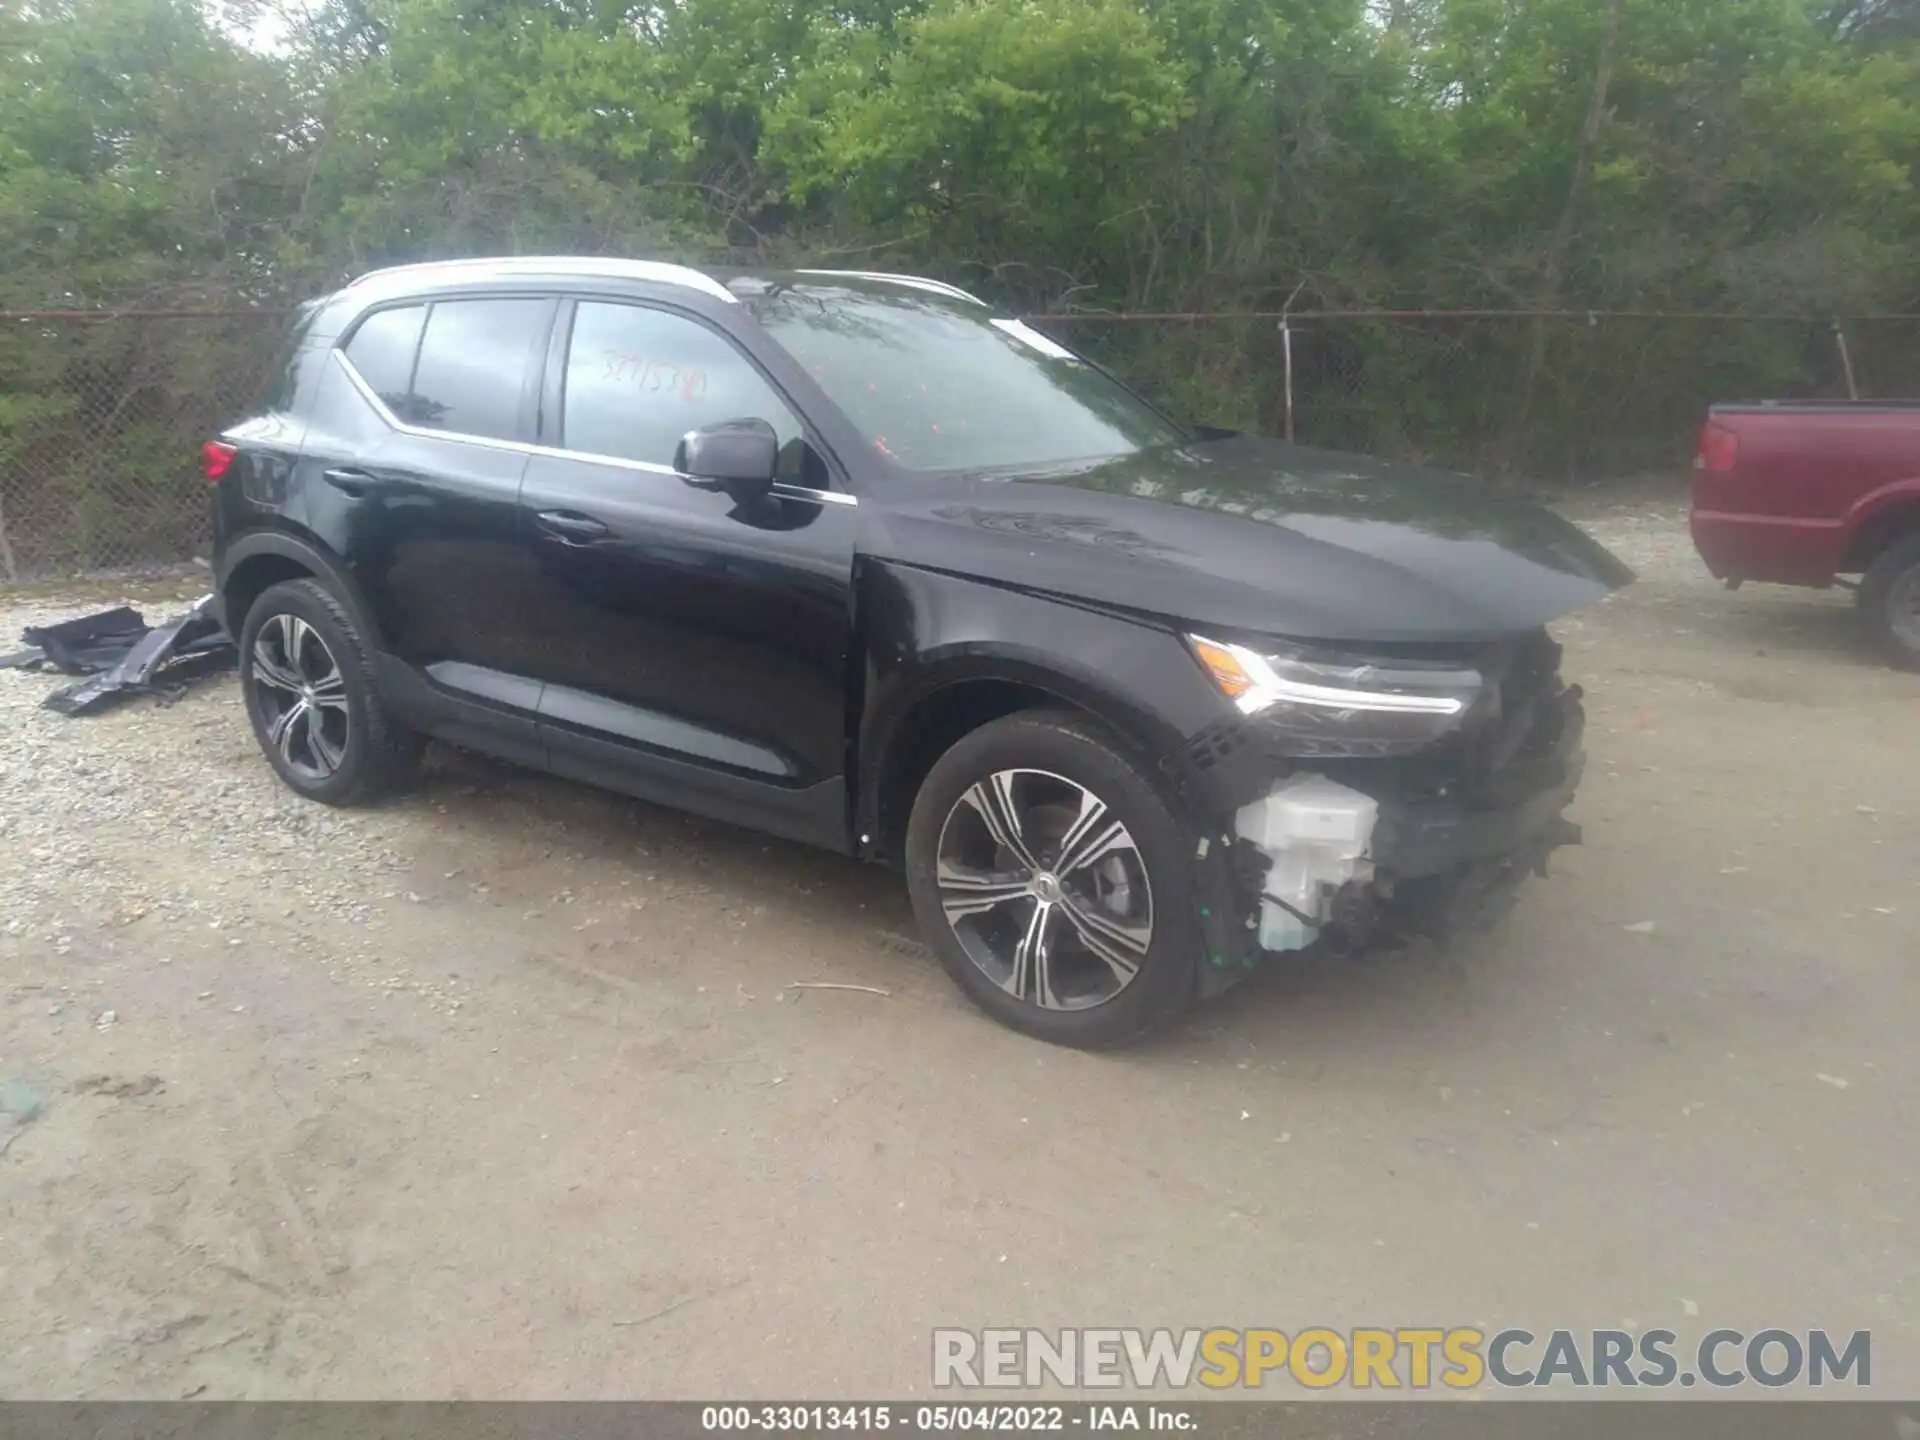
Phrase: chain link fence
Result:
[1553,398]
[102,416]
[101,422]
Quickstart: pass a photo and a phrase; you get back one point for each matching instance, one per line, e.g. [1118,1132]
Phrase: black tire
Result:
[1053,755]
[1890,600]
[359,751]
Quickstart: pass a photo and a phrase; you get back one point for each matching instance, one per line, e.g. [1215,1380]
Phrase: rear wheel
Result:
[1890,600]
[1055,881]
[308,680]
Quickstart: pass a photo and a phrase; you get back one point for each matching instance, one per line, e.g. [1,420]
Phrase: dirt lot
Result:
[499,1090]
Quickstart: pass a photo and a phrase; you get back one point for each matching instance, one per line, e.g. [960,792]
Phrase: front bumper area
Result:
[1456,832]
[1412,842]
[1445,871]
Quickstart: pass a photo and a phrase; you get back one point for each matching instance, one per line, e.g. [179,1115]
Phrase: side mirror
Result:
[738,456]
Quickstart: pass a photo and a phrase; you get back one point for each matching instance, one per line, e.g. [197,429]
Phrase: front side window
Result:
[473,365]
[639,379]
[941,384]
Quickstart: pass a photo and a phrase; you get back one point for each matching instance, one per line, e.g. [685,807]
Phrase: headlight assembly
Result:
[1337,704]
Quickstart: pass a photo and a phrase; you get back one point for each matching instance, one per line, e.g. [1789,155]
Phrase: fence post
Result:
[1846,360]
[1286,365]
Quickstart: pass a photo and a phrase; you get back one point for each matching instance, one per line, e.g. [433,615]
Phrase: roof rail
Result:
[660,272]
[917,282]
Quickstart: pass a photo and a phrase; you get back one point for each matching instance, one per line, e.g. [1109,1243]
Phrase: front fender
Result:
[926,631]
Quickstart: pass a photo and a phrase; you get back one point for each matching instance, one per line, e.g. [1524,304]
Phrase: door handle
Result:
[349,481]
[571,526]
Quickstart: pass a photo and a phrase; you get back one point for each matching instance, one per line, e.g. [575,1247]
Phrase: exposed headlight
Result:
[1331,704]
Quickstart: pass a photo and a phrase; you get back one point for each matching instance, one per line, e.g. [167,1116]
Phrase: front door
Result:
[693,649]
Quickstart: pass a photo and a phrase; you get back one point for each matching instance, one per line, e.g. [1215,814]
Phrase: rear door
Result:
[693,648]
[426,515]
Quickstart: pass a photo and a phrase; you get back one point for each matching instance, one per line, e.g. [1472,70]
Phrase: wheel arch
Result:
[955,696]
[944,653]
[257,561]
[1883,520]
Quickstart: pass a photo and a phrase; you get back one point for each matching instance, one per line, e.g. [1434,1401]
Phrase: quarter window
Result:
[639,379]
[382,350]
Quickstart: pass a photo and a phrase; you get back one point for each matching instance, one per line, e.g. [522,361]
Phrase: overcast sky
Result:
[258,24]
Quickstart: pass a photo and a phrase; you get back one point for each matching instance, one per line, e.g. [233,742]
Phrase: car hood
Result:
[1243,534]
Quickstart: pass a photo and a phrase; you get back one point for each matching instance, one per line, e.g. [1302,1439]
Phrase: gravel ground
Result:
[208,833]
[502,1090]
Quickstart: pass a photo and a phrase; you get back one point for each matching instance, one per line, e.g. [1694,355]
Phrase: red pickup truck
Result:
[1810,492]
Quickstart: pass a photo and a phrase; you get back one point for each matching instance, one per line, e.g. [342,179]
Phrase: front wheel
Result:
[1890,600]
[1055,881]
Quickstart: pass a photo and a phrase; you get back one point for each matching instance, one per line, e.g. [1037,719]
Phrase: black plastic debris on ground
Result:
[82,647]
[121,655]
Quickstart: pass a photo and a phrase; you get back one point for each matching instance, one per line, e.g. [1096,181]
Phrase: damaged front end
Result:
[1372,801]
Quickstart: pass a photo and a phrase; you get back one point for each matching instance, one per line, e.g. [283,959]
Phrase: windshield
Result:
[934,383]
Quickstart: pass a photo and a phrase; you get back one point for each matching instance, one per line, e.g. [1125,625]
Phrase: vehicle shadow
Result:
[1309,1002]
[819,905]
[683,850]
[1808,624]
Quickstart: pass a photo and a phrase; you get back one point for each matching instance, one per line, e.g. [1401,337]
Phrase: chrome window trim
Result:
[916,282]
[521,447]
[535,267]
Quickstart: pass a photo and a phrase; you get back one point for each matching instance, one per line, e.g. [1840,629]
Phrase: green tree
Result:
[1753,156]
[141,154]
[991,131]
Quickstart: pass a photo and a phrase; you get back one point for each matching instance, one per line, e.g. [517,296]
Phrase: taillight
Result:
[1719,449]
[215,457]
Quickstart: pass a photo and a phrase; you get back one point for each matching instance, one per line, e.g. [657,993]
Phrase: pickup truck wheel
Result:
[1890,599]
[1055,881]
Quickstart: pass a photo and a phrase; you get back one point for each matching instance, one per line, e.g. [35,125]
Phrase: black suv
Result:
[850,558]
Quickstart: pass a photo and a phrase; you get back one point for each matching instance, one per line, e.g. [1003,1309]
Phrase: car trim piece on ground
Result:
[522,447]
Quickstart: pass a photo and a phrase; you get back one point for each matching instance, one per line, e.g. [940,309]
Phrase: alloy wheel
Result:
[1045,889]
[301,695]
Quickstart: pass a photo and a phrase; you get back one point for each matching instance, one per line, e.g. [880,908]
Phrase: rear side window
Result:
[382,350]
[473,363]
[639,379]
